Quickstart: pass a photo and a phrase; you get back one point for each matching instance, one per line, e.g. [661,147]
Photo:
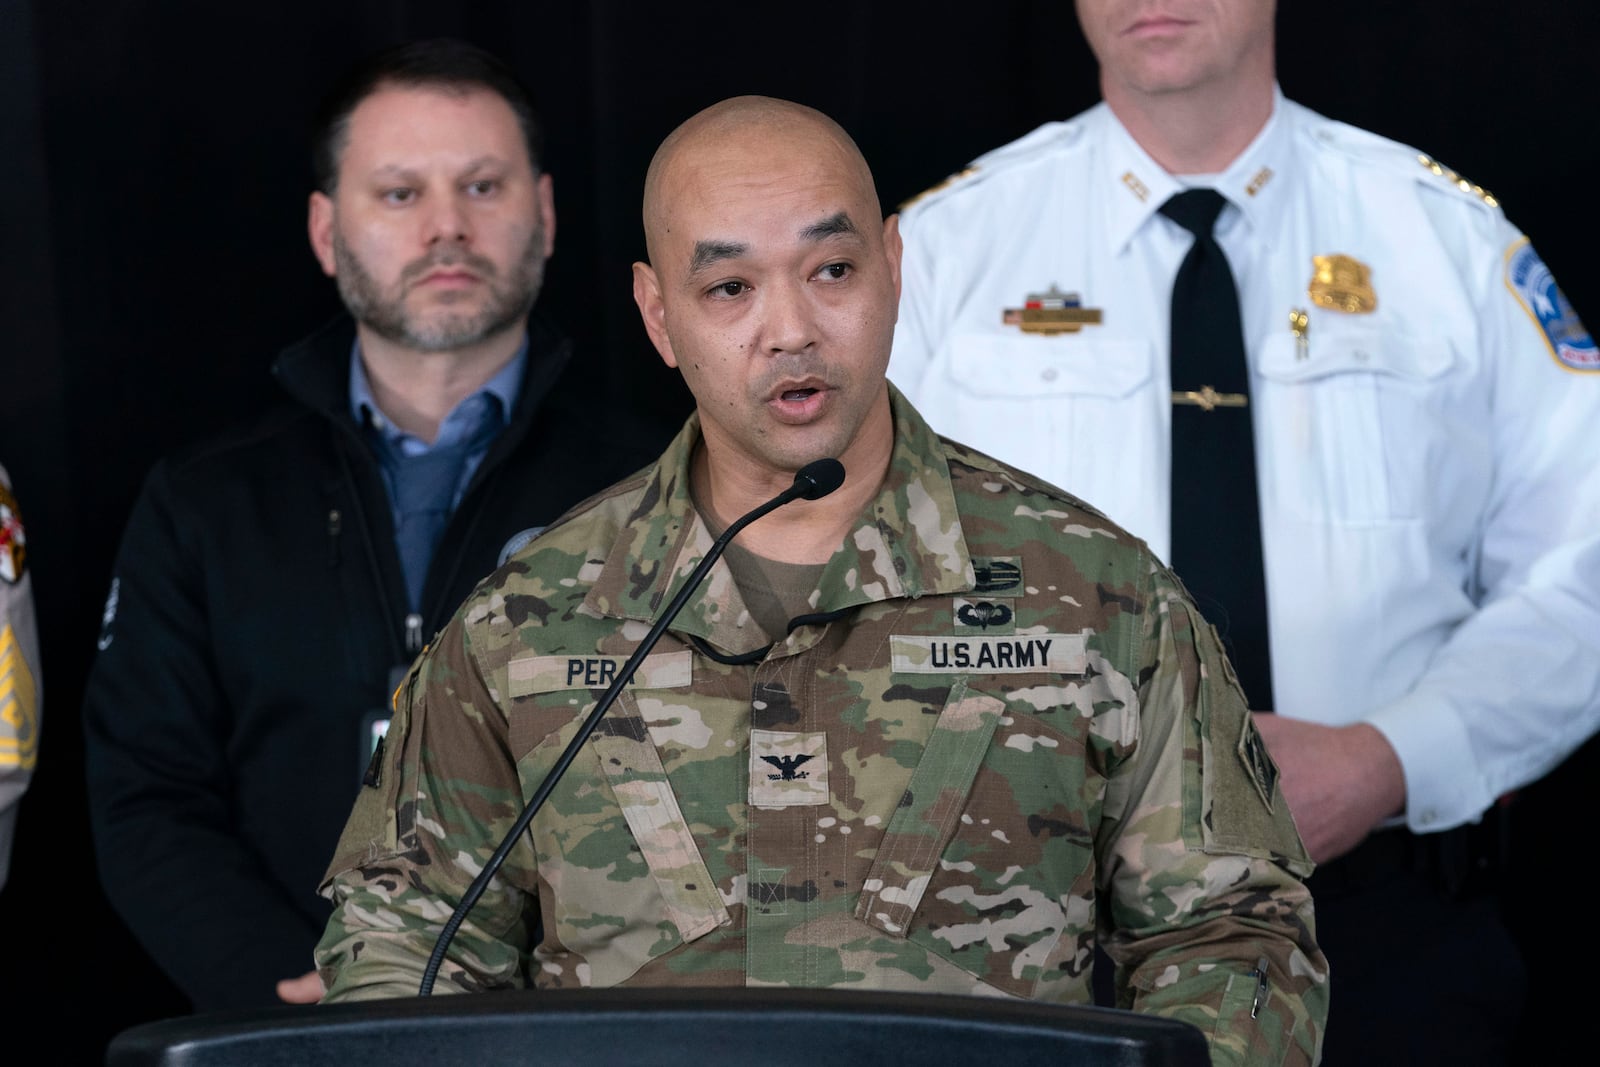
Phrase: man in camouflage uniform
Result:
[938,731]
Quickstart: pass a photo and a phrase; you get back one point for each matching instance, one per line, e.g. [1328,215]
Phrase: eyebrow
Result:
[708,252]
[407,170]
[837,225]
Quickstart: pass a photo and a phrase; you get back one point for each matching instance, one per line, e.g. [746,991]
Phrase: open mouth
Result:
[798,402]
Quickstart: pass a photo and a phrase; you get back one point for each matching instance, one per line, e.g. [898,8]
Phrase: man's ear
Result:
[892,248]
[647,294]
[319,227]
[545,192]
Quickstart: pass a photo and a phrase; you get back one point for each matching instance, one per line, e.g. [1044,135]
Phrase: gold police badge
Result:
[1342,283]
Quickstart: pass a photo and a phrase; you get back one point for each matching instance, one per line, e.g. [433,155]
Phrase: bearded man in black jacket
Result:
[273,585]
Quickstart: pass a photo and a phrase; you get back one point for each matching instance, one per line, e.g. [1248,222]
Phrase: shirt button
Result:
[1050,374]
[1427,818]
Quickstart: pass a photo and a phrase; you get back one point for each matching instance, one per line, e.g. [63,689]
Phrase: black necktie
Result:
[1216,521]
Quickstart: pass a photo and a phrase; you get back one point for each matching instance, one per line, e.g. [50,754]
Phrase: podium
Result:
[668,1028]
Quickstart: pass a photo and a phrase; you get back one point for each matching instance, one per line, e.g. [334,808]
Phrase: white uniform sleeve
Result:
[1516,687]
[917,327]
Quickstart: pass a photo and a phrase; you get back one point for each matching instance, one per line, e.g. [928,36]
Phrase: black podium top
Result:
[668,1028]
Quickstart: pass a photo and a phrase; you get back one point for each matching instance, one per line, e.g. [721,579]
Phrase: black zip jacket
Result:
[257,612]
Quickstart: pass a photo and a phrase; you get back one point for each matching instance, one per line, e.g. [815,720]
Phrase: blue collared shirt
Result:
[461,423]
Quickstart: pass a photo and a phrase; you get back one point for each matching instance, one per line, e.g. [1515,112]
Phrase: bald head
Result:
[773,287]
[742,135]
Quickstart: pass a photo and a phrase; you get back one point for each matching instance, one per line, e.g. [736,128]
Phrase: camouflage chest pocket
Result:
[628,881]
[985,857]
[638,780]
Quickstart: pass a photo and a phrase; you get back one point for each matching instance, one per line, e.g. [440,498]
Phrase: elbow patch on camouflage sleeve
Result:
[1242,809]
[373,831]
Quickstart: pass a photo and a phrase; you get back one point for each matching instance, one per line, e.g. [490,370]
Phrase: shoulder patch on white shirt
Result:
[1535,288]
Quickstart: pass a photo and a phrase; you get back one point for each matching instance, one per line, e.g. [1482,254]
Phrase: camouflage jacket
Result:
[1003,733]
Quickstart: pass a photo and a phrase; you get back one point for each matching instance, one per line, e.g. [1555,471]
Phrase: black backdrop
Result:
[152,192]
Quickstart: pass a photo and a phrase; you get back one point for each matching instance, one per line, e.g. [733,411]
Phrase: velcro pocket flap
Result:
[633,768]
[927,816]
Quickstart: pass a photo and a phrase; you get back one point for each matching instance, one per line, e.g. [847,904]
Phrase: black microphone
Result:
[812,482]
[819,478]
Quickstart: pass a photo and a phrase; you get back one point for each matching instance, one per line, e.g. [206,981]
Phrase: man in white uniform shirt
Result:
[1423,402]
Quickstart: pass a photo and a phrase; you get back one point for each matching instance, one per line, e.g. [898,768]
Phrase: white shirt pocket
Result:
[1346,422]
[1078,410]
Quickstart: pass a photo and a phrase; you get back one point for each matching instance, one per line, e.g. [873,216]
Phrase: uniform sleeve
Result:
[1516,687]
[443,794]
[1210,921]
[156,725]
[20,683]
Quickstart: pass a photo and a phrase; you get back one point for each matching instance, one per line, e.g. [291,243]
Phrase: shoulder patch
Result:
[1535,289]
[1439,170]
[1258,764]
[19,704]
[13,539]
[965,172]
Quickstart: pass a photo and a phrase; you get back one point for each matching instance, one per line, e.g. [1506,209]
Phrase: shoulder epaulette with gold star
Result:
[1457,180]
[965,172]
